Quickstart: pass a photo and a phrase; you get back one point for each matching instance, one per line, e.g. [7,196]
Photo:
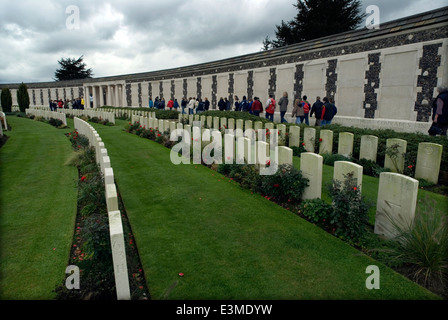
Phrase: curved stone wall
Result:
[383,78]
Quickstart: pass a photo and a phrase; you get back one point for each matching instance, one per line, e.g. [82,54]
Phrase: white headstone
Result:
[396,203]
[311,166]
[396,162]
[294,136]
[429,157]
[369,148]
[345,145]
[309,137]
[343,168]
[326,142]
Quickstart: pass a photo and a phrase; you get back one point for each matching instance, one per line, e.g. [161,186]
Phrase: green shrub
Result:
[330,159]
[286,186]
[23,97]
[371,168]
[6,100]
[316,211]
[349,218]
[55,122]
[423,248]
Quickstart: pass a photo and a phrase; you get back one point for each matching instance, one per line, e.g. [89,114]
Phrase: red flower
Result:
[354,188]
[320,140]
[181,274]
[276,185]
[83,178]
[410,167]
[158,134]
[303,143]
[268,163]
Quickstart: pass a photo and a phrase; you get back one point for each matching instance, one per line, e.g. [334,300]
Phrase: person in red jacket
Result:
[257,107]
[170,104]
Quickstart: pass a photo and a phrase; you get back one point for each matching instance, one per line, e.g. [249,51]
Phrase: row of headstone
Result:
[47,114]
[102,115]
[234,147]
[115,223]
[428,160]
[397,193]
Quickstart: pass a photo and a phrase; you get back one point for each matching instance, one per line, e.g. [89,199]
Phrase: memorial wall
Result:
[378,78]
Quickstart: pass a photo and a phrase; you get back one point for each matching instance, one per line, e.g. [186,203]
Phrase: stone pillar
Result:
[87,97]
[95,96]
[109,101]
[101,92]
[117,96]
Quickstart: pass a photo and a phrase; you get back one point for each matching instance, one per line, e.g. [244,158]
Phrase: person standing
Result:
[440,115]
[237,104]
[183,105]
[283,103]
[298,111]
[191,105]
[221,104]
[270,108]
[170,104]
[257,107]
[175,104]
[329,110]
[316,109]
[244,105]
[151,103]
[206,104]
[306,109]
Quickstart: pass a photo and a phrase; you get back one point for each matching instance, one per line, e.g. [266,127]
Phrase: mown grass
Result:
[227,242]
[38,210]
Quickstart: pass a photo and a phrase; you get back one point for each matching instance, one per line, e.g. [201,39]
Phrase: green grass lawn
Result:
[229,243]
[38,210]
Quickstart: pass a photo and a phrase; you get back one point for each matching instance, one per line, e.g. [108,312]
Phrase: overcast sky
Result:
[129,36]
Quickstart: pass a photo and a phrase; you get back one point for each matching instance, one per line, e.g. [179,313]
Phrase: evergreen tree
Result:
[23,98]
[6,100]
[72,69]
[318,18]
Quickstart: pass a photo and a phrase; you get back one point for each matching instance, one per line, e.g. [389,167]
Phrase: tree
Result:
[6,100]
[316,19]
[72,69]
[23,98]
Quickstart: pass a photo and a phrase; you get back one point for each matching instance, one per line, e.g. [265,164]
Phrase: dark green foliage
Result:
[349,218]
[72,69]
[316,19]
[286,186]
[6,100]
[316,211]
[23,98]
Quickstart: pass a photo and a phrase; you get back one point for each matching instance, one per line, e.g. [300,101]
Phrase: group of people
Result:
[77,103]
[324,110]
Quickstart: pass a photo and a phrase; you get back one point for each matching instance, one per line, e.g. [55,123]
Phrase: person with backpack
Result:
[316,109]
[306,109]
[329,110]
[440,110]
[270,108]
[298,111]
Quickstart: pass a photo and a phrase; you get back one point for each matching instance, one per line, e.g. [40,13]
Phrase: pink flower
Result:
[181,274]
